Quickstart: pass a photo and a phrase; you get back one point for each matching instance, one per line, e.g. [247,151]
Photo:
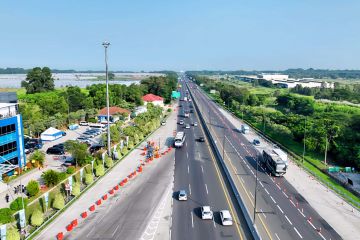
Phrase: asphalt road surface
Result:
[281,212]
[196,172]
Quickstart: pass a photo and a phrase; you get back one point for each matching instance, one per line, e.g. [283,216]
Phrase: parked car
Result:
[182,195]
[69,162]
[83,123]
[95,148]
[84,139]
[94,132]
[55,151]
[226,218]
[89,133]
[29,150]
[60,145]
[201,139]
[206,212]
[256,142]
[35,144]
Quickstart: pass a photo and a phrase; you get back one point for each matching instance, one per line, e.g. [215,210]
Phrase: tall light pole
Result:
[303,156]
[106,45]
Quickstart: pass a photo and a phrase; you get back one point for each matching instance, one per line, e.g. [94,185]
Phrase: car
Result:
[29,150]
[206,212]
[181,122]
[256,142]
[180,105]
[195,124]
[83,123]
[89,133]
[84,139]
[182,195]
[95,148]
[55,151]
[94,132]
[60,145]
[187,126]
[226,218]
[63,133]
[33,144]
[191,111]
[201,139]
[69,162]
[163,123]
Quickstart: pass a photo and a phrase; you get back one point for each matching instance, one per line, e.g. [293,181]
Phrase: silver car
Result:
[182,195]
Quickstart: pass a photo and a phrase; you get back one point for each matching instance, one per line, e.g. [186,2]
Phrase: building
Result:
[116,114]
[12,152]
[138,110]
[270,77]
[151,98]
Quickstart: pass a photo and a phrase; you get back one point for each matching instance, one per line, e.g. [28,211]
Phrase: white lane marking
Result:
[252,171]
[187,155]
[192,220]
[199,155]
[202,169]
[301,213]
[188,169]
[251,195]
[189,189]
[311,224]
[261,183]
[278,187]
[185,144]
[263,213]
[207,192]
[267,191]
[272,199]
[277,236]
[242,179]
[322,236]
[292,203]
[285,194]
[280,209]
[288,220]
[298,232]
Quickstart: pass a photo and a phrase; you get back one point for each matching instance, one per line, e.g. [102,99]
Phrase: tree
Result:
[32,188]
[38,157]
[109,163]
[76,99]
[6,215]
[17,204]
[37,218]
[99,170]
[12,234]
[75,189]
[50,177]
[78,151]
[59,201]
[39,80]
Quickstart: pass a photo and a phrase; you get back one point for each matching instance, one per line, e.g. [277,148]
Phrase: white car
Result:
[226,218]
[206,212]
[182,195]
[195,124]
[181,122]
[187,126]
[83,123]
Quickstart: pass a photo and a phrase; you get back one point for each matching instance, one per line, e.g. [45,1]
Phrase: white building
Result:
[151,98]
[270,77]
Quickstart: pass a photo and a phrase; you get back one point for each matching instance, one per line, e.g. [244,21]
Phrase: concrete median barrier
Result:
[84,214]
[98,202]
[105,197]
[74,223]
[60,236]
[92,208]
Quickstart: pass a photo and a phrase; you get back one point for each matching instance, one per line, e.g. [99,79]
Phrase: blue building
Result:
[12,152]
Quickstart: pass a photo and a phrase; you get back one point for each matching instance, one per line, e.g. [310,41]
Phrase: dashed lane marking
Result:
[280,209]
[288,220]
[298,232]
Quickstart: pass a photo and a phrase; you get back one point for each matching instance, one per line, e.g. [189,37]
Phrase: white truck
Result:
[244,129]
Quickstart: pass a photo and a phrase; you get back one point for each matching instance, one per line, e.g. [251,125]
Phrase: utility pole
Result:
[256,183]
[326,147]
[106,45]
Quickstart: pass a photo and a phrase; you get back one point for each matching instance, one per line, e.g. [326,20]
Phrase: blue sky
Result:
[181,35]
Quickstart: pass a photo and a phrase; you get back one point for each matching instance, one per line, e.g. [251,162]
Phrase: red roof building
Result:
[113,111]
[152,98]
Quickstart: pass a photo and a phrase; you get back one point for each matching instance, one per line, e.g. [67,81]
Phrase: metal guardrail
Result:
[298,160]
[252,227]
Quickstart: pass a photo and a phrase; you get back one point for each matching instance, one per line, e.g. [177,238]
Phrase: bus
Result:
[274,163]
[179,139]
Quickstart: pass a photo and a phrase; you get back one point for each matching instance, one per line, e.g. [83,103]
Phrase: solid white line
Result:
[188,169]
[192,220]
[267,191]
[301,213]
[298,232]
[189,189]
[207,192]
[252,171]
[272,199]
[277,236]
[322,236]
[202,169]
[261,183]
[311,224]
[280,209]
[288,220]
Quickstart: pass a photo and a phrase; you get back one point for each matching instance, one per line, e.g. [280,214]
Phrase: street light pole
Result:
[106,45]
[256,183]
[303,156]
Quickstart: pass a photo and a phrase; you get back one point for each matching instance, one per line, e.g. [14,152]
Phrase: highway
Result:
[196,171]
[281,212]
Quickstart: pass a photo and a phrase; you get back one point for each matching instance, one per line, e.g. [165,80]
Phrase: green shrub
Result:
[75,189]
[12,234]
[70,170]
[62,176]
[37,218]
[89,179]
[109,163]
[17,204]
[59,201]
[50,178]
[99,170]
[6,215]
[169,110]
[32,188]
[130,145]
[124,151]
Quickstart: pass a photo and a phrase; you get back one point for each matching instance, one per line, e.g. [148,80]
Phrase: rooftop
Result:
[151,98]
[113,111]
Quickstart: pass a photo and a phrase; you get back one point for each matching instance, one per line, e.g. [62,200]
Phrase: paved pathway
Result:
[340,215]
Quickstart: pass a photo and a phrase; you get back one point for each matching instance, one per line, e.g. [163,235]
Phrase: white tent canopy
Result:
[51,134]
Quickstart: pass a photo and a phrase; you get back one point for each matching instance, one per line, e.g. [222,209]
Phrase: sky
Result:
[181,35]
